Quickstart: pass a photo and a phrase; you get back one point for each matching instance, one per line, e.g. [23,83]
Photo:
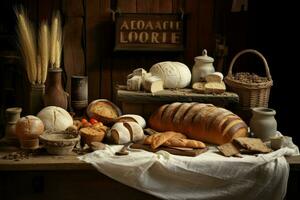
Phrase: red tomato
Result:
[93,121]
[87,124]
[83,121]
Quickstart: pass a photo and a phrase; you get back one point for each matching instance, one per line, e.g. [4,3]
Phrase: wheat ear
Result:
[44,49]
[27,43]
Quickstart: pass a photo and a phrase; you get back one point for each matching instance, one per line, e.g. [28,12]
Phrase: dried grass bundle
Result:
[27,43]
[39,69]
[44,49]
[56,41]
[49,45]
[58,47]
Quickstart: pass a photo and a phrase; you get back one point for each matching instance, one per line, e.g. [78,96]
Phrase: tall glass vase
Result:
[55,94]
[36,94]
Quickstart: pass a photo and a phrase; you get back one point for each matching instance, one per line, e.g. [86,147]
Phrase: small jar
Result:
[202,67]
[263,124]
[12,116]
[79,94]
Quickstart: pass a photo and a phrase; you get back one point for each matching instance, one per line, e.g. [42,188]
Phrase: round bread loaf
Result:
[173,74]
[204,122]
[55,118]
[29,127]
[28,130]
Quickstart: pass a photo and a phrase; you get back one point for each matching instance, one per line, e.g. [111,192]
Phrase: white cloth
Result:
[207,176]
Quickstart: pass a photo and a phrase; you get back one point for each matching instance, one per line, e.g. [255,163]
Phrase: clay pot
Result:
[263,124]
[28,130]
[55,94]
[12,116]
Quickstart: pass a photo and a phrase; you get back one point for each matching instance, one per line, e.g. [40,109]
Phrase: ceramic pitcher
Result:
[55,94]
[263,124]
[202,67]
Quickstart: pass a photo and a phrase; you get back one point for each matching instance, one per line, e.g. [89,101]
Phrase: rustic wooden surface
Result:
[66,177]
[294,162]
[45,162]
[64,185]
[180,95]
[144,103]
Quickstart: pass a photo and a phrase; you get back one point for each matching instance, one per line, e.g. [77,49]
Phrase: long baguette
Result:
[158,139]
[181,142]
[177,142]
[203,122]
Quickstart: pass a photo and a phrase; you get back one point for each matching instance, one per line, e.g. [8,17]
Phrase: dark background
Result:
[268,26]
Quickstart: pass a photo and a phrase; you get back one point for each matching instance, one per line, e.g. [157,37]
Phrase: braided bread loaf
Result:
[204,122]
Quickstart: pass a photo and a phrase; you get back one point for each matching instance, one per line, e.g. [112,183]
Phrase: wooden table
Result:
[66,177]
[58,177]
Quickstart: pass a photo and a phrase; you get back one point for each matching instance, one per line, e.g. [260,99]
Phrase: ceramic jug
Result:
[263,124]
[55,94]
[202,67]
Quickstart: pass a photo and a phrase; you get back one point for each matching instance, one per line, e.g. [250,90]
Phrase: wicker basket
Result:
[250,94]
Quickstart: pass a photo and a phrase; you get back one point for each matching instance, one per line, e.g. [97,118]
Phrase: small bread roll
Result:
[119,133]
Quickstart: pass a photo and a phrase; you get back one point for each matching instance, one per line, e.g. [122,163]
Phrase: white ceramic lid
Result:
[204,57]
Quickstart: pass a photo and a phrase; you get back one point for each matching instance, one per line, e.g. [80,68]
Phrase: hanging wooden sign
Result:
[149,32]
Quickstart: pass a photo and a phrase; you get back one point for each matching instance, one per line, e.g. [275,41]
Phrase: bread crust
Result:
[204,122]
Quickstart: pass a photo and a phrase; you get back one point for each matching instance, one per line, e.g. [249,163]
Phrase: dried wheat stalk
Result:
[39,69]
[58,47]
[56,41]
[27,42]
[44,49]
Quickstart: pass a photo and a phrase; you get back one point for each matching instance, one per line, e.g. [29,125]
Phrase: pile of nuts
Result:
[246,77]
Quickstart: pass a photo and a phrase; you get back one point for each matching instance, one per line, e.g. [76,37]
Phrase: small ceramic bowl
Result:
[59,142]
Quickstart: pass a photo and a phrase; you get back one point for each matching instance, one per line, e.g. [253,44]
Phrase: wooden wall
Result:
[89,37]
[106,68]
[89,41]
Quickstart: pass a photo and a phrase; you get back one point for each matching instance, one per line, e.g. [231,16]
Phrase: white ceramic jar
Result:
[202,67]
[263,124]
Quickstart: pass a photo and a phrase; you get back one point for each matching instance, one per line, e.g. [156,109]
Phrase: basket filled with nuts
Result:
[253,90]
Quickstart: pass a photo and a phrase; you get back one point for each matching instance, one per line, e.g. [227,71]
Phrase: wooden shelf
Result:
[144,103]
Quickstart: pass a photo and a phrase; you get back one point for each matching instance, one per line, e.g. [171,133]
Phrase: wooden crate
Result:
[144,103]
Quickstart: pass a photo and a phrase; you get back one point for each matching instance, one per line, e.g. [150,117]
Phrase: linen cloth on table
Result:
[206,176]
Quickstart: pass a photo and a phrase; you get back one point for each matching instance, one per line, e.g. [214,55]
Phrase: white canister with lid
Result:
[202,67]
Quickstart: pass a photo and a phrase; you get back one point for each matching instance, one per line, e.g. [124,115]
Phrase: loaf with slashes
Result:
[199,121]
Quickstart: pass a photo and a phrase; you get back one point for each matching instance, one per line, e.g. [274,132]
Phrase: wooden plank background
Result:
[89,41]
[89,37]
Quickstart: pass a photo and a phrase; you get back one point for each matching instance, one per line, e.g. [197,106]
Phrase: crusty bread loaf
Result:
[177,142]
[204,122]
[90,135]
[158,139]
[181,142]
